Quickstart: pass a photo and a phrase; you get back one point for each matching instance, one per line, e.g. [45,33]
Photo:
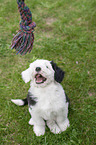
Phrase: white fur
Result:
[18,102]
[51,100]
[26,75]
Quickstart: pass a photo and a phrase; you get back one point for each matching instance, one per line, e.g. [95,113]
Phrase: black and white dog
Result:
[46,97]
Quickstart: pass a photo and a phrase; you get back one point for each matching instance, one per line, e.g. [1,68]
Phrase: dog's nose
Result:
[38,69]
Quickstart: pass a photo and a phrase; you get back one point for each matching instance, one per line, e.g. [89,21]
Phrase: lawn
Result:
[66,34]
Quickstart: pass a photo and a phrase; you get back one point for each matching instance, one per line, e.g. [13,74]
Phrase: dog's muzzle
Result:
[39,79]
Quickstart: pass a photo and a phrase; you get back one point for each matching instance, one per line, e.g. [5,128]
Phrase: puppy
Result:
[46,98]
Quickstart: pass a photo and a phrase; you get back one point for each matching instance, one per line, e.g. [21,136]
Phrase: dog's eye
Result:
[47,66]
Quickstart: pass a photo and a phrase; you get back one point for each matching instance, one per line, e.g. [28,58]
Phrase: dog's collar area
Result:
[39,79]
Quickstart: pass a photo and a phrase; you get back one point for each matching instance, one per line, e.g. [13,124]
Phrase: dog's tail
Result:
[20,102]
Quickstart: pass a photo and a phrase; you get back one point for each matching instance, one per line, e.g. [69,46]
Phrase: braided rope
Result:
[23,40]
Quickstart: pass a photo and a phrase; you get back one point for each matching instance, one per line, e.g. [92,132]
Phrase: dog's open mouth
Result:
[39,79]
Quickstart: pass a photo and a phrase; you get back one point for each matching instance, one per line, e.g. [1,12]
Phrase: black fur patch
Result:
[67,100]
[59,74]
[25,101]
[31,99]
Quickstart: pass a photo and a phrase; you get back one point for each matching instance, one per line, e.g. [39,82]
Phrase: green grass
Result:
[65,33]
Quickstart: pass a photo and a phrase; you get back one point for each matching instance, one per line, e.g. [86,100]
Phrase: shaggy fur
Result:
[46,97]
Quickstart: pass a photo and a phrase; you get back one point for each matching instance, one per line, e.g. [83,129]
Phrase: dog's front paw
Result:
[53,127]
[63,126]
[39,130]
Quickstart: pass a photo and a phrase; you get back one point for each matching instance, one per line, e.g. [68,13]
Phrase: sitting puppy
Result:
[46,98]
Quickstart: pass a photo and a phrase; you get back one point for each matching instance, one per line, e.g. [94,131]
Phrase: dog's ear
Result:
[59,74]
[26,75]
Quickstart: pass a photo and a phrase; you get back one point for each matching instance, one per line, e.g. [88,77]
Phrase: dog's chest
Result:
[50,100]
[46,100]
[47,108]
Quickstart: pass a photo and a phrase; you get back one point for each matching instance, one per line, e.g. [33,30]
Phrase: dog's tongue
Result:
[39,78]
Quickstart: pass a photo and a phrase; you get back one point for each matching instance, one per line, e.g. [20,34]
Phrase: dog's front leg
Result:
[38,122]
[39,125]
[62,120]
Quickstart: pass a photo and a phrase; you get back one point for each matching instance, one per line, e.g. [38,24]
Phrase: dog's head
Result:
[43,72]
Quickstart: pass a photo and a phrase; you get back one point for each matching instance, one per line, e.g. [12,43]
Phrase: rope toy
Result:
[23,40]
